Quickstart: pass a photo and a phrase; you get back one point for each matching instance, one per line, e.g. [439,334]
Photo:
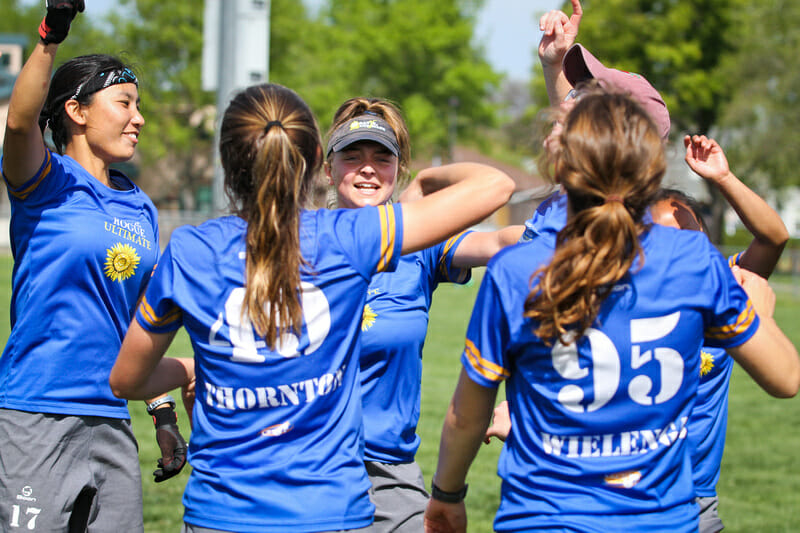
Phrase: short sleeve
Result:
[484,356]
[733,318]
[372,237]
[38,186]
[157,312]
[442,261]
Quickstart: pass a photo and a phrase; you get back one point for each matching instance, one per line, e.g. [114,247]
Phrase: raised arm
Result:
[707,159]
[23,145]
[476,192]
[560,32]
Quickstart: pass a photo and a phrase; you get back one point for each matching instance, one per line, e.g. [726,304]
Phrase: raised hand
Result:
[757,288]
[560,32]
[55,25]
[706,158]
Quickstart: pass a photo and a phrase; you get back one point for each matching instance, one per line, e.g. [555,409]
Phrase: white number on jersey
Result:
[316,315]
[32,512]
[606,366]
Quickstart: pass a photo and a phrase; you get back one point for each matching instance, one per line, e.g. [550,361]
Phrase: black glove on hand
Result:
[173,447]
[55,25]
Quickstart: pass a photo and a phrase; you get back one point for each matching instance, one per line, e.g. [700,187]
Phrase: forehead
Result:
[129,90]
[675,214]
[365,146]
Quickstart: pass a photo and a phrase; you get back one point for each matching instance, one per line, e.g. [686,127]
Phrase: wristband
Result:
[160,401]
[448,497]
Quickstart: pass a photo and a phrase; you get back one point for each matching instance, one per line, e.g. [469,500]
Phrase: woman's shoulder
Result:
[217,235]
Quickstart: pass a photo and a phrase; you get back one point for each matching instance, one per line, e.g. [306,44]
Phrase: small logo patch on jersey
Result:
[277,429]
[624,479]
[121,262]
[706,363]
[368,318]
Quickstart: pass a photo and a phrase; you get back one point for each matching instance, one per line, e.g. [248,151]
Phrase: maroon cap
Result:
[580,65]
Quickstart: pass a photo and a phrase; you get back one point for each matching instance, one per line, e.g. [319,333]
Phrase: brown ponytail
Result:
[271,152]
[610,161]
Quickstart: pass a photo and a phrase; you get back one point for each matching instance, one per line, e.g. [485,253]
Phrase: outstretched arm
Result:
[707,159]
[454,197]
[23,145]
[140,371]
[560,32]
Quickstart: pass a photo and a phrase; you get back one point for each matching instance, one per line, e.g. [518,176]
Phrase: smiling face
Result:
[113,122]
[363,173]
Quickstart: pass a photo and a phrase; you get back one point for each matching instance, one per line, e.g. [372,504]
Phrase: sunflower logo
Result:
[121,262]
[706,363]
[368,318]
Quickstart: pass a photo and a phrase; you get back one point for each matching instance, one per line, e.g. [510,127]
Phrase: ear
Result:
[75,112]
[327,167]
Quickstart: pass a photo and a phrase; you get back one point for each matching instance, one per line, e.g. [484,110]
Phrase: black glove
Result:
[173,447]
[55,25]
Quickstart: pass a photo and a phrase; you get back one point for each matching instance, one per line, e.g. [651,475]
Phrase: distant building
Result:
[12,48]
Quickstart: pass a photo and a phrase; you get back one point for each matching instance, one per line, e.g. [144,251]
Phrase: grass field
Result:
[760,483]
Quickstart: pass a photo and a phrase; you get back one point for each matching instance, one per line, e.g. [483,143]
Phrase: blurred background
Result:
[467,77]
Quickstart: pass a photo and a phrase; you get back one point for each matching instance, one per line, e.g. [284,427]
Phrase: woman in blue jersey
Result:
[708,422]
[272,299]
[367,161]
[598,341]
[85,240]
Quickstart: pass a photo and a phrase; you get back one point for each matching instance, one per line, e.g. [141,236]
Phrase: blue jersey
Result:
[600,425]
[709,419]
[394,326]
[277,442]
[548,219]
[83,253]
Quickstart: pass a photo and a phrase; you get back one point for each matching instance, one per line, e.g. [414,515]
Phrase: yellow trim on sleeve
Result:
[24,193]
[153,319]
[443,270]
[388,235]
[743,321]
[485,368]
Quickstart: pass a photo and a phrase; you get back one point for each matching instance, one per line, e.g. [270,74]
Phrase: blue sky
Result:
[508,30]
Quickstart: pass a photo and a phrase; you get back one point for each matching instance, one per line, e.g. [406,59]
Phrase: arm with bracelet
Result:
[170,441]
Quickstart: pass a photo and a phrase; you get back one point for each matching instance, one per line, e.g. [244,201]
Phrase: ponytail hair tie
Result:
[614,198]
[272,123]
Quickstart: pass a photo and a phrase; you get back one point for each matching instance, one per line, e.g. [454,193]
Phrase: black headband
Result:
[103,80]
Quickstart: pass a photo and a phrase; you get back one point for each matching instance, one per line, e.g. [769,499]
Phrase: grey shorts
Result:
[398,492]
[68,473]
[710,521]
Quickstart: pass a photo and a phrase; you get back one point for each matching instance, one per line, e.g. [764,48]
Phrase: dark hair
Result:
[63,86]
[271,152]
[610,160]
[391,114]
[683,198]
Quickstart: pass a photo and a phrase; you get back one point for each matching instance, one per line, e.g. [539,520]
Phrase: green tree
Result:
[760,121]
[165,40]
[419,54]
[676,44]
